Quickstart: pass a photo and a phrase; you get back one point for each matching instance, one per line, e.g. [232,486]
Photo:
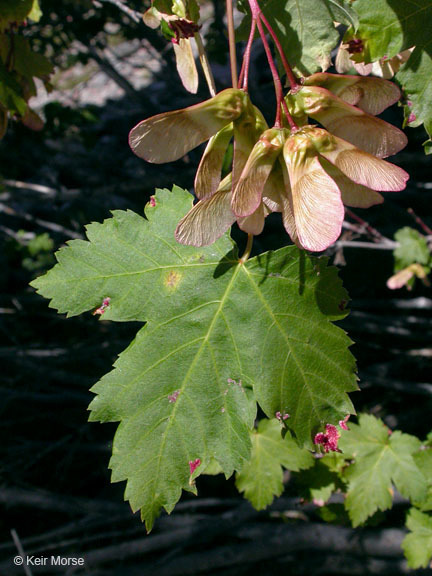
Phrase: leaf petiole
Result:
[248,248]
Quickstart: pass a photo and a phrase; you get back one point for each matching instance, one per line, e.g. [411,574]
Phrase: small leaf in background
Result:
[417,545]
[261,478]
[11,93]
[402,25]
[318,483]
[306,31]
[28,63]
[342,12]
[380,460]
[35,13]
[3,121]
[412,259]
[413,248]
[183,389]
[15,11]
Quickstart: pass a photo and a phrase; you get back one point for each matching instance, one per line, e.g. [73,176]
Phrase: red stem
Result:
[244,74]
[419,221]
[276,79]
[280,102]
[376,235]
[291,78]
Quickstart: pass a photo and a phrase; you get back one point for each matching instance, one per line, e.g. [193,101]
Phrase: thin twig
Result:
[389,245]
[21,552]
[290,75]
[244,73]
[205,64]
[133,14]
[29,186]
[367,227]
[106,66]
[43,223]
[419,221]
[45,500]
[232,46]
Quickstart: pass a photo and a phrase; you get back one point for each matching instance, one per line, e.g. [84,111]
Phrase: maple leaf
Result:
[261,478]
[185,390]
[379,461]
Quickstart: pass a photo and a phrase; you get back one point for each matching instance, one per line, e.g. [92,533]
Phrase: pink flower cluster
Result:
[330,438]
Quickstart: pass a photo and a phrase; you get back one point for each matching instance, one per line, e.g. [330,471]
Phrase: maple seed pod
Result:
[248,193]
[372,95]
[313,211]
[169,136]
[368,133]
[321,172]
[208,219]
[245,129]
[208,175]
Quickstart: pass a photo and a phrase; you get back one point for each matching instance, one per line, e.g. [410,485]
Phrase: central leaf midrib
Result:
[192,365]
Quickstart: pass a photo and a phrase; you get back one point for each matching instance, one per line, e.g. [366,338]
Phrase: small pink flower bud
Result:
[193,465]
[172,398]
[343,423]
[103,307]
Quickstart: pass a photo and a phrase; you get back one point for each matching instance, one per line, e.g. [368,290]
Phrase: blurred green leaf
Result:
[417,545]
[413,248]
[380,460]
[261,478]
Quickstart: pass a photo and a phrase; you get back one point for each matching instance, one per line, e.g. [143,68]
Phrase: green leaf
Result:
[170,391]
[423,460]
[380,459]
[11,93]
[28,63]
[306,32]
[261,479]
[137,264]
[164,6]
[318,483]
[428,144]
[182,390]
[417,545]
[388,27]
[413,248]
[292,298]
[36,13]
[341,11]
[193,11]
[14,11]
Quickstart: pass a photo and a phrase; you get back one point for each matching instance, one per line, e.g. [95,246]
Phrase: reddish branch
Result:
[258,19]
